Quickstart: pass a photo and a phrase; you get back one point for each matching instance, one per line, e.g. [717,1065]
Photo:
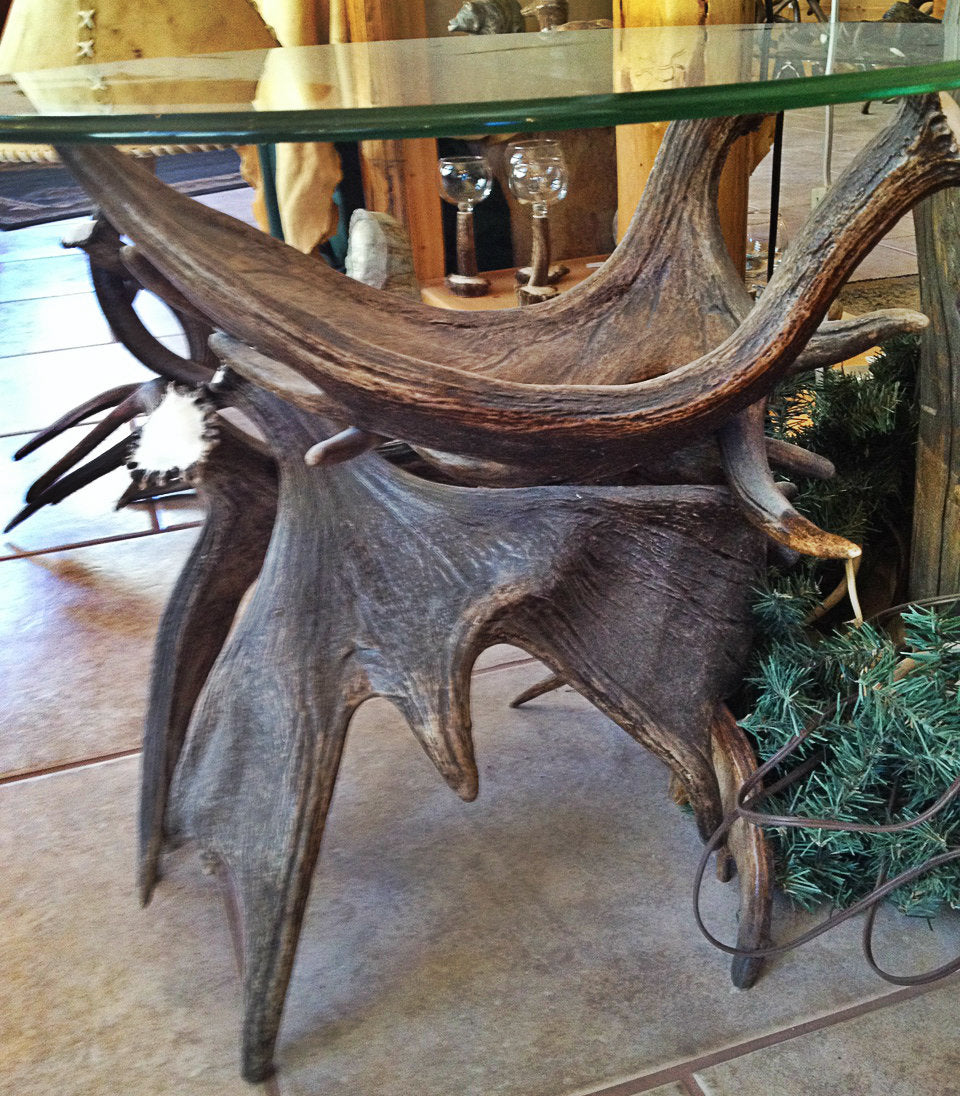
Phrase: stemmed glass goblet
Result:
[538,177]
[464,181]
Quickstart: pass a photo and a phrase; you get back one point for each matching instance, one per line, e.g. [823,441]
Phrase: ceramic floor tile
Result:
[908,247]
[37,326]
[47,277]
[537,942]
[902,230]
[87,515]
[907,1049]
[885,262]
[501,653]
[35,389]
[101,998]
[156,315]
[76,639]
[36,242]
[236,203]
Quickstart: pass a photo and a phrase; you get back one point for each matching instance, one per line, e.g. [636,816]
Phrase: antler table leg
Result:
[239,489]
[377,582]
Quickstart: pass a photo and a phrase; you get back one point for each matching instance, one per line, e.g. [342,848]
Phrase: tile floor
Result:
[538,942]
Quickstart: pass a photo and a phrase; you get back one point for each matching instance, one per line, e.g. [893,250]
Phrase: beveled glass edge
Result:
[504,116]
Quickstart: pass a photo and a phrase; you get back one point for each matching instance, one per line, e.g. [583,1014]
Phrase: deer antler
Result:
[118,272]
[59,481]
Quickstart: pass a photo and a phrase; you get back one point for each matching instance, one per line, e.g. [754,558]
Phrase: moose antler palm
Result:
[606,423]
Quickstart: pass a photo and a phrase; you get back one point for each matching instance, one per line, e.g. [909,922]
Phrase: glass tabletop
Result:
[477,85]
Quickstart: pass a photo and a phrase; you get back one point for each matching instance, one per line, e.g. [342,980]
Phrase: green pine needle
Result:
[887,748]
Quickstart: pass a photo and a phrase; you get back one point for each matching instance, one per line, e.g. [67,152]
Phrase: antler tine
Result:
[117,306]
[76,415]
[144,398]
[100,466]
[913,157]
[836,340]
[687,168]
[743,450]
[801,462]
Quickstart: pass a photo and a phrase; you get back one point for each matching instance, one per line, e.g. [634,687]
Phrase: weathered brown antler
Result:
[118,272]
[391,369]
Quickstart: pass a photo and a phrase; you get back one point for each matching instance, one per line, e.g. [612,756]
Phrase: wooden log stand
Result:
[587,479]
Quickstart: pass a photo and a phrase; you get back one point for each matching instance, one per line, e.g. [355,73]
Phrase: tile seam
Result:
[29,553]
[688,1068]
[504,665]
[135,751]
[60,349]
[67,766]
[29,431]
[45,297]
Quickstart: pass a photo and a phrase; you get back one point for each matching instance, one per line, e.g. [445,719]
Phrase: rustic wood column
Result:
[399,177]
[935,552]
[637,146]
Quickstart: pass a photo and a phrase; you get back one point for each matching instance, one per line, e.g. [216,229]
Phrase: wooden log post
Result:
[637,146]
[399,177]
[935,551]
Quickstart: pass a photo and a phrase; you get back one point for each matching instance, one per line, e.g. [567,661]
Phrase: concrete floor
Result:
[538,942]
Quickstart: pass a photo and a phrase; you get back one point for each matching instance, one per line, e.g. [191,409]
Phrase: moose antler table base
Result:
[382,583]
[588,479]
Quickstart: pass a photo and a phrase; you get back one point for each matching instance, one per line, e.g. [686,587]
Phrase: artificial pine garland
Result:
[887,742]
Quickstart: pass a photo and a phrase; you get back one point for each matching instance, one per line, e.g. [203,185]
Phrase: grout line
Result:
[134,751]
[14,258]
[100,540]
[60,349]
[683,1070]
[67,766]
[46,297]
[903,245]
[29,431]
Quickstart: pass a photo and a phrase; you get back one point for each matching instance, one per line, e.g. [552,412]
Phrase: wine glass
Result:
[464,181]
[538,177]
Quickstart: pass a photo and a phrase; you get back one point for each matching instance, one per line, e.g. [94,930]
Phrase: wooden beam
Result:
[935,548]
[637,146]
[399,177]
